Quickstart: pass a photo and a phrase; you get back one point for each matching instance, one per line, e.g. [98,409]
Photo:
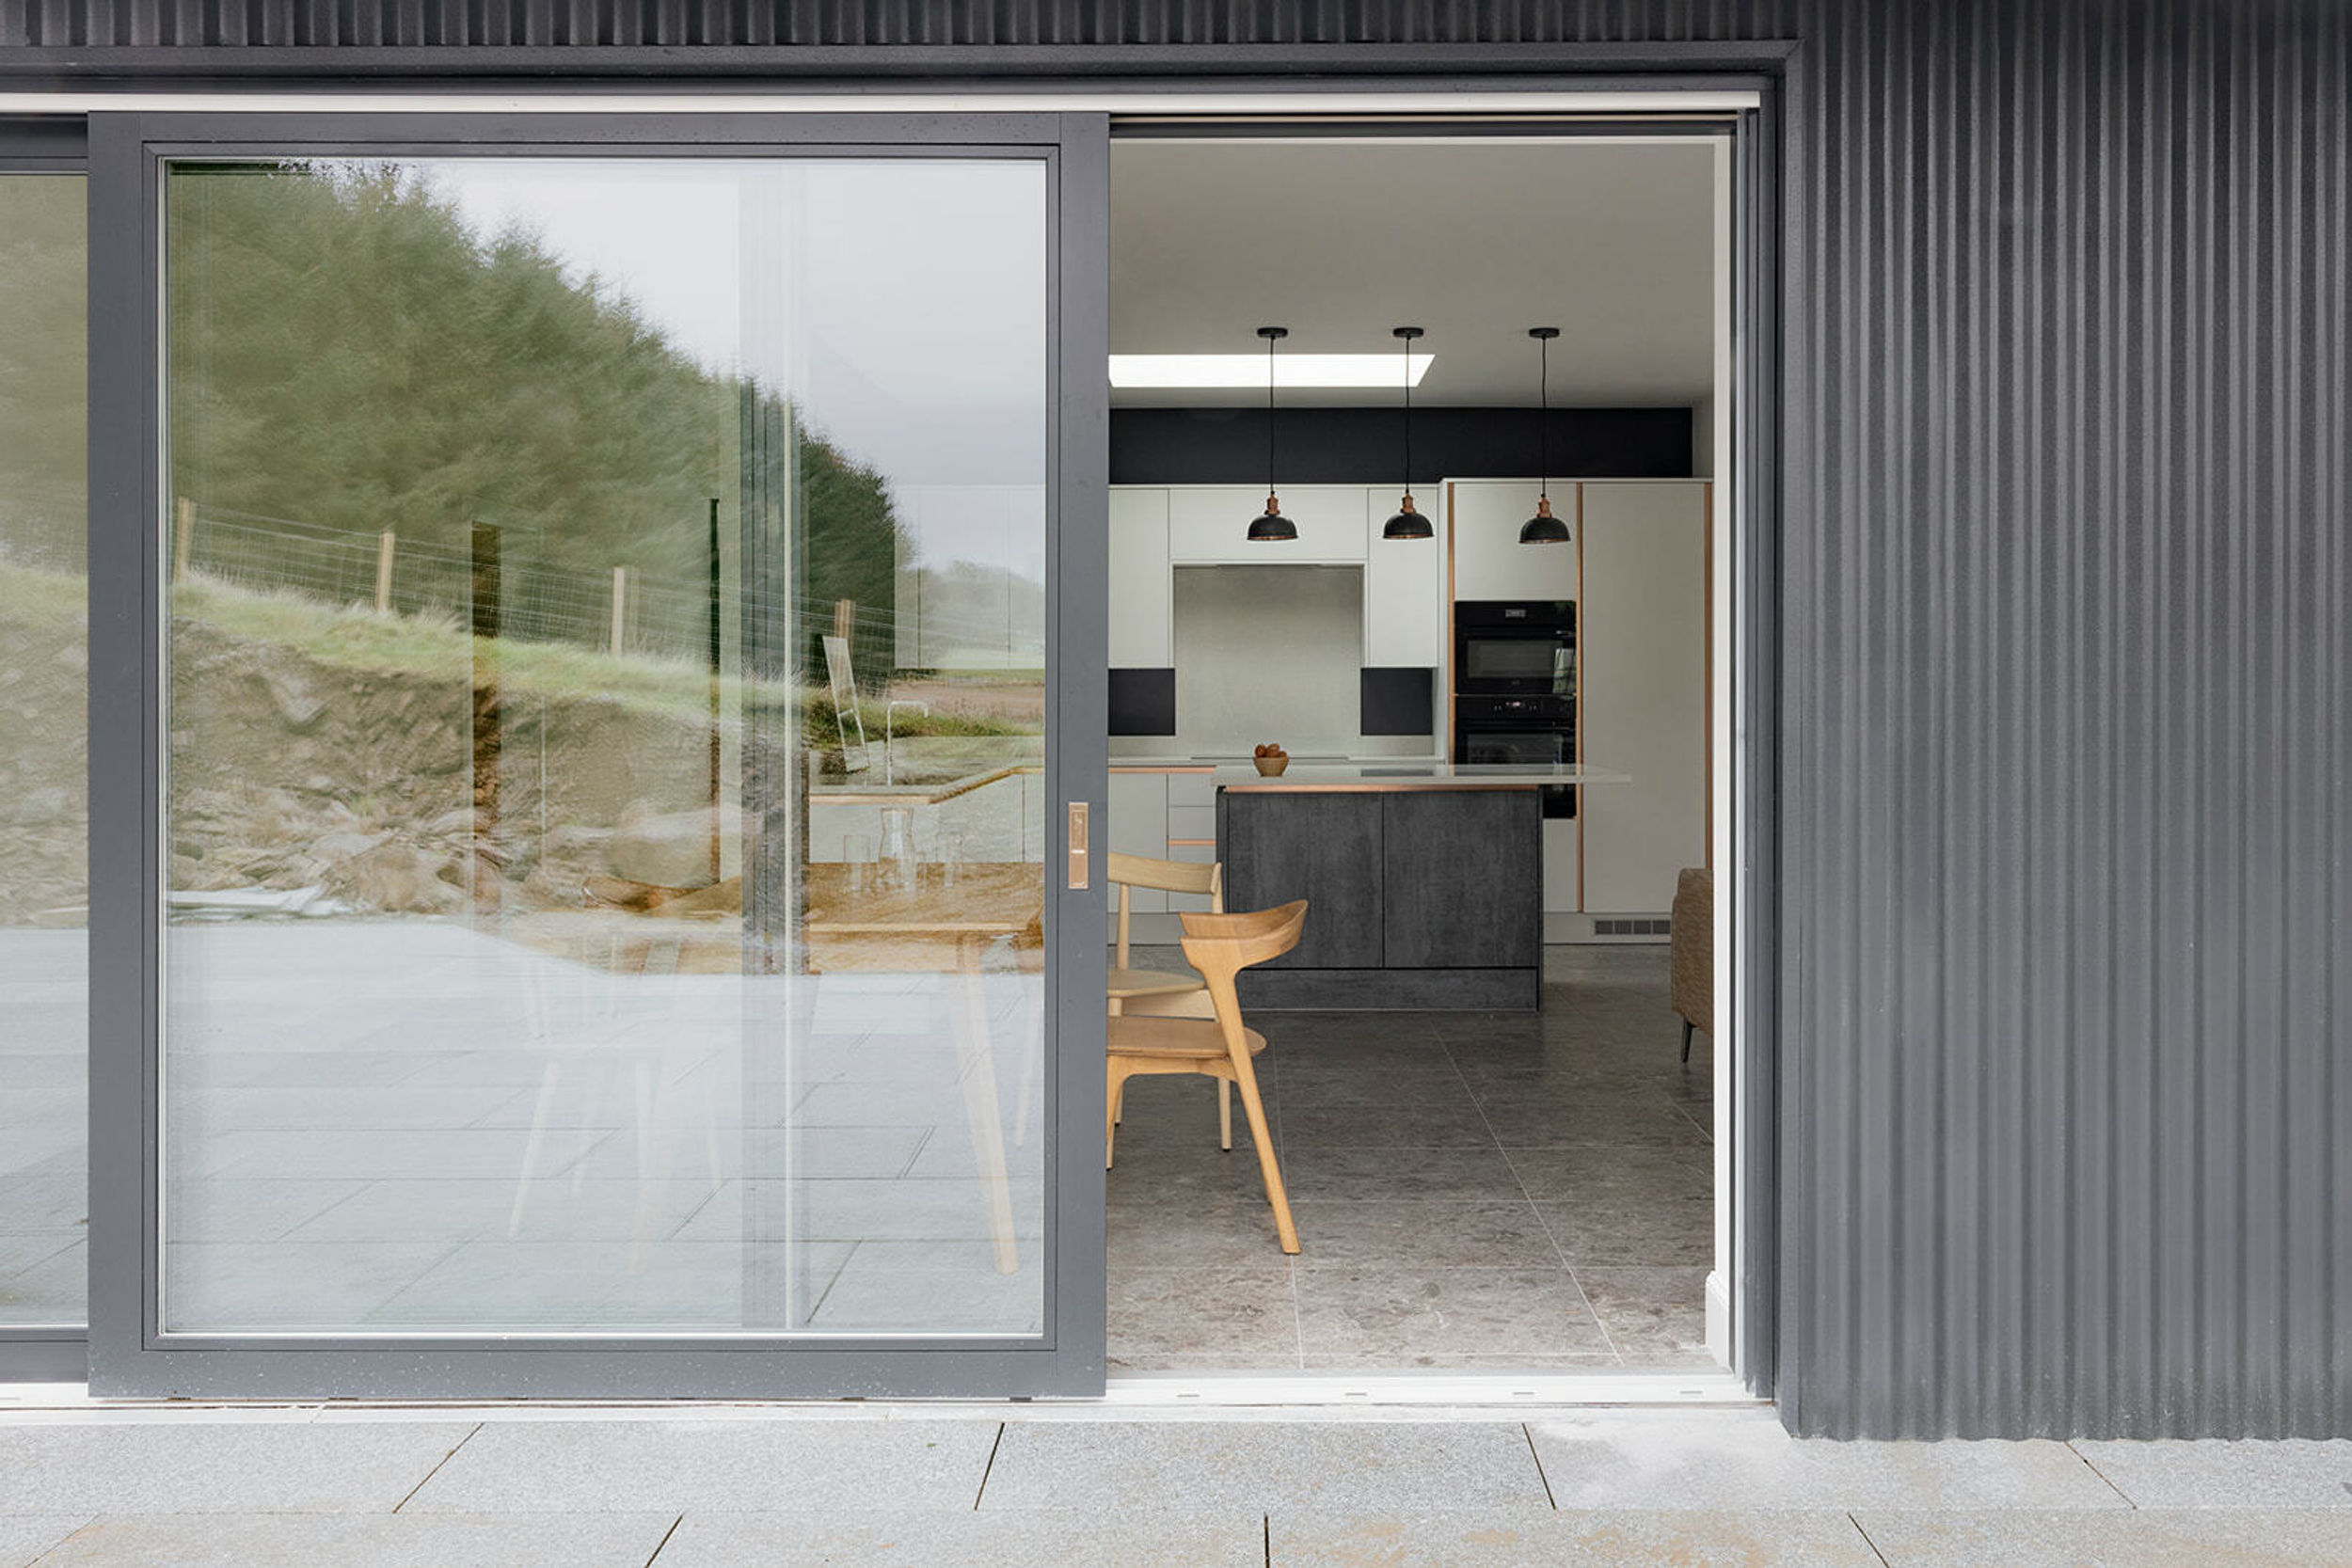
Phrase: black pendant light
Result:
[1408,523]
[1543,527]
[1272,528]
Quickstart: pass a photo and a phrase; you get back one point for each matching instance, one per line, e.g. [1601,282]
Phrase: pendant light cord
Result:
[1408,343]
[1269,414]
[1543,418]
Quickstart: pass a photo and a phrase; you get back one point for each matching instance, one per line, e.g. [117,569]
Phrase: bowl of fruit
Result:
[1271,759]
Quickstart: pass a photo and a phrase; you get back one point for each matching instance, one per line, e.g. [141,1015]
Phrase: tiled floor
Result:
[1472,1190]
[779,1487]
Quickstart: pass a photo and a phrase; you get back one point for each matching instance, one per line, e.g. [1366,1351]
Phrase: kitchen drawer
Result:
[1190,821]
[1193,790]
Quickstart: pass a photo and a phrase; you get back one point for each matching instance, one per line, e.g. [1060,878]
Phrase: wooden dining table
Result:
[855,924]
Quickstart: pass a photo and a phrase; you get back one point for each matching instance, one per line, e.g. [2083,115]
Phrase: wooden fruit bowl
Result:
[1271,767]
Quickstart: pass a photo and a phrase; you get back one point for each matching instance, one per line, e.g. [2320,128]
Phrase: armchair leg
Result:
[1686,1042]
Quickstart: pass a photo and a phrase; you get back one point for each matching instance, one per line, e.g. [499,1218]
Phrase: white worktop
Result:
[1411,775]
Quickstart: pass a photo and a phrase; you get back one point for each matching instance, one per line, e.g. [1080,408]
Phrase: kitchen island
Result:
[1423,881]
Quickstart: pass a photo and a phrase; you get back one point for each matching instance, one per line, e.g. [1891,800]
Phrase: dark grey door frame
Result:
[128,1353]
[42,1352]
[1772,69]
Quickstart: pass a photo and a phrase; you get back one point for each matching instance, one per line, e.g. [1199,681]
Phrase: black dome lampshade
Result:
[1408,522]
[1543,527]
[1271,527]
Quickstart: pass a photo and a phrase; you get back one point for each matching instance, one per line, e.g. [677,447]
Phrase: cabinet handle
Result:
[1077,844]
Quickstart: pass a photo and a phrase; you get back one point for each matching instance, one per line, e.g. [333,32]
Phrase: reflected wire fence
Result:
[621,609]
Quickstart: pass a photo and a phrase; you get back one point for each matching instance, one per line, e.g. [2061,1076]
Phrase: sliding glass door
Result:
[597,612]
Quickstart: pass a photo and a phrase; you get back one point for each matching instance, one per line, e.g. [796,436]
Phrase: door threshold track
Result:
[1452,1389]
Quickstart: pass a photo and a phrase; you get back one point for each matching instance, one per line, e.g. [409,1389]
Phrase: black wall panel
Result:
[2065,759]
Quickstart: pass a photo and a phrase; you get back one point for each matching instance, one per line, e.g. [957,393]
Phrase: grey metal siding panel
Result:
[2066,1110]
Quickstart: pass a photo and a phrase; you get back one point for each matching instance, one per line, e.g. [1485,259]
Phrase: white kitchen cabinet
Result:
[1142,637]
[1403,585]
[1563,850]
[1138,803]
[1490,562]
[1209,523]
[1642,684]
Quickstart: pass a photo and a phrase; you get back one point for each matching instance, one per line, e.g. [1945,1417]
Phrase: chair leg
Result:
[1225,1115]
[1686,1042]
[1114,1088]
[1255,1109]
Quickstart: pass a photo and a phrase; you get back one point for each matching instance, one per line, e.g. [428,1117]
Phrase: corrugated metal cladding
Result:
[2067,761]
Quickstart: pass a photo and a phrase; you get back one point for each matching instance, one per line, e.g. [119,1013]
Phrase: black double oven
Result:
[1514,687]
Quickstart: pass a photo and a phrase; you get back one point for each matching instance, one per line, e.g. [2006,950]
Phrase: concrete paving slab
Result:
[25,1536]
[208,1466]
[1594,1538]
[622,1466]
[2143,1538]
[1106,1467]
[2171,1473]
[1746,1460]
[362,1541]
[1126,1538]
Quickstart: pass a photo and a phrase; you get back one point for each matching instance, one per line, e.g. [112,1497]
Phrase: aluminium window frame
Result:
[129,1351]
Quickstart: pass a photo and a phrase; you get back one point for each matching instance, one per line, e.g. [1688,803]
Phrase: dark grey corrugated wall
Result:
[2066,1062]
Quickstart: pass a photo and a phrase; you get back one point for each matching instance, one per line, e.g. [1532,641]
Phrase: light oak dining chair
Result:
[1220,946]
[1165,993]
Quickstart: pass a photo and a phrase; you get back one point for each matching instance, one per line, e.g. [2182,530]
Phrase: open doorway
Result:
[1473,1095]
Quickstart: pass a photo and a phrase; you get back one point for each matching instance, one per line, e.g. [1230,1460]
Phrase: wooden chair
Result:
[1165,993]
[1220,946]
[1691,956]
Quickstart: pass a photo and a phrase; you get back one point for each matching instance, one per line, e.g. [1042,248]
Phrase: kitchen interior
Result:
[1413,573]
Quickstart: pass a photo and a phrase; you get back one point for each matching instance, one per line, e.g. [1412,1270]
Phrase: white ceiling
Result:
[1476,241]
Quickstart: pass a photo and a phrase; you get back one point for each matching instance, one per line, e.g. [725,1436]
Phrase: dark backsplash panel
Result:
[1365,446]
[1399,700]
[1143,702]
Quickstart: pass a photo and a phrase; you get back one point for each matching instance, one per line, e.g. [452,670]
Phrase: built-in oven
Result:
[1515,647]
[1522,732]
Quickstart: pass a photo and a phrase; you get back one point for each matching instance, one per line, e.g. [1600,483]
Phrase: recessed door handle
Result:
[1077,844]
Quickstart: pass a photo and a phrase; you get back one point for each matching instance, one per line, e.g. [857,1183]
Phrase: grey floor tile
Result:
[1247,1313]
[2295,1473]
[1399,1236]
[1746,1460]
[25,1536]
[1655,1317]
[934,1287]
[1407,1318]
[1453,1123]
[1105,1465]
[2143,1538]
[1642,1226]
[197,1466]
[327,1286]
[1466,1174]
[729,1465]
[1123,1537]
[1521,1121]
[233,1209]
[1234,1229]
[1579,1170]
[1329,1084]
[1567,1539]
[353,1541]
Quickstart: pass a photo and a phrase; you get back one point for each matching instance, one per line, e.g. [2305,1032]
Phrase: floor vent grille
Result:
[1633,928]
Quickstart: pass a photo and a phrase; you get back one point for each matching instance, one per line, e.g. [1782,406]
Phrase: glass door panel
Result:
[605,798]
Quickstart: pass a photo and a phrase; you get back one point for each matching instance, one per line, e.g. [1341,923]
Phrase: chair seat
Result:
[1175,1038]
[1125,983]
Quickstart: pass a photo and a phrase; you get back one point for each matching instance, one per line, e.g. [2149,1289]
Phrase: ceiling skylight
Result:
[1202,371]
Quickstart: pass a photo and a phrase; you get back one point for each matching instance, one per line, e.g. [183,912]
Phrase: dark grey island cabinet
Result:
[1419,896]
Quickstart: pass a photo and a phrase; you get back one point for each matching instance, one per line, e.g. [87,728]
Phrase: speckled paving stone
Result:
[680,1465]
[364,1541]
[1746,1460]
[1600,1539]
[1125,1539]
[201,1466]
[2146,1538]
[25,1536]
[2290,1473]
[1213,1466]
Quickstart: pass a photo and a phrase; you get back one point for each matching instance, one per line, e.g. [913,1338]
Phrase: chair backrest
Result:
[1222,946]
[1134,871]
